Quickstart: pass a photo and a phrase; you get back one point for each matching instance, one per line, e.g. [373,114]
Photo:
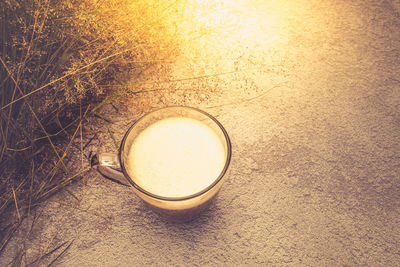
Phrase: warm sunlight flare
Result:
[237,20]
[222,30]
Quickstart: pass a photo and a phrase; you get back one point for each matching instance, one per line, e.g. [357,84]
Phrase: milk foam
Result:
[176,157]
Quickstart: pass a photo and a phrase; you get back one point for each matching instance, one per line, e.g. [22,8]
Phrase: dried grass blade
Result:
[16,204]
[63,156]
[48,245]
[48,253]
[35,116]
[59,255]
[64,182]
[65,76]
[112,136]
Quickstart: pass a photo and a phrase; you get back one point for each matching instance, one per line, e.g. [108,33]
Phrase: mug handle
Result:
[107,164]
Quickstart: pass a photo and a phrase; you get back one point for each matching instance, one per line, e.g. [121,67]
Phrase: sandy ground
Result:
[311,100]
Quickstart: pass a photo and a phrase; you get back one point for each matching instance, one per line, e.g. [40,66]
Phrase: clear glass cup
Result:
[183,208]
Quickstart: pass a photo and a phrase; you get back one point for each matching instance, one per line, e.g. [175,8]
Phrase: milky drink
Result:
[176,157]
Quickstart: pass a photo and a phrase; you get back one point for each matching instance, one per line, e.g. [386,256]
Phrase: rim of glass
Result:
[208,188]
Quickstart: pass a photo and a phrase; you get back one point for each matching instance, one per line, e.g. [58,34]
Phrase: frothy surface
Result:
[176,157]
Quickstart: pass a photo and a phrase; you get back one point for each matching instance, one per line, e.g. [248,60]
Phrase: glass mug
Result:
[146,155]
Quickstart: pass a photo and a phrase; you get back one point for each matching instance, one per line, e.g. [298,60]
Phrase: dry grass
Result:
[58,61]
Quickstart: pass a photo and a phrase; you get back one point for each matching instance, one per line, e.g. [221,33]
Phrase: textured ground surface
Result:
[315,173]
